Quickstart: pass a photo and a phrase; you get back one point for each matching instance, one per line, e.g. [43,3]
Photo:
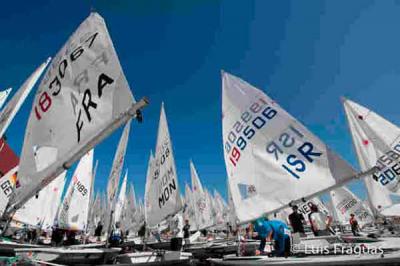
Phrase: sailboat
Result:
[115,173]
[41,210]
[129,212]
[3,96]
[376,142]
[93,101]
[270,157]
[83,97]
[346,203]
[202,204]
[12,107]
[121,202]
[74,210]
[272,160]
[162,198]
[190,208]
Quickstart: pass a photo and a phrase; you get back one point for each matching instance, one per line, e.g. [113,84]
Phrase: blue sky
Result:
[304,54]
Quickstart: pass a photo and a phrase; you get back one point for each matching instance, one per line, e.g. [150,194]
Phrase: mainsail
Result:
[41,210]
[377,143]
[83,98]
[3,96]
[201,202]
[75,207]
[190,208]
[121,202]
[149,178]
[163,198]
[220,209]
[7,183]
[232,217]
[346,203]
[10,110]
[271,158]
[118,163]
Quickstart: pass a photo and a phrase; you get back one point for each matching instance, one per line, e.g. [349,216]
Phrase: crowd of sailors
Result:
[275,232]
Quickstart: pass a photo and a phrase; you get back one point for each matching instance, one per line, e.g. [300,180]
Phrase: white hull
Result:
[156,257]
[387,259]
[69,256]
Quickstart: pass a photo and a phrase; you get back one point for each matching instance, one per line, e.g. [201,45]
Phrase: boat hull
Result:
[68,256]
[156,257]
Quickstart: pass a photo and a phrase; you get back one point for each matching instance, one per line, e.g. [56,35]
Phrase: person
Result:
[142,231]
[116,236]
[317,221]
[98,231]
[329,221]
[354,225]
[56,235]
[71,237]
[249,232]
[297,221]
[177,232]
[228,230]
[186,232]
[273,230]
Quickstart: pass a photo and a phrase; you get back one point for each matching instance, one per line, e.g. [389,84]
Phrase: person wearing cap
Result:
[276,231]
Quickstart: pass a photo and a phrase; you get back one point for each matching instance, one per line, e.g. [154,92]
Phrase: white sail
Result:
[7,184]
[121,202]
[202,206]
[393,211]
[96,213]
[163,197]
[346,203]
[3,96]
[75,207]
[232,217]
[132,199]
[190,208]
[377,143]
[43,206]
[41,210]
[82,92]
[305,208]
[212,208]
[113,179]
[149,181]
[129,210]
[220,209]
[10,110]
[270,157]
[53,193]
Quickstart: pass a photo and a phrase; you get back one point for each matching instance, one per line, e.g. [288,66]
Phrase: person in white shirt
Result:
[318,221]
[177,230]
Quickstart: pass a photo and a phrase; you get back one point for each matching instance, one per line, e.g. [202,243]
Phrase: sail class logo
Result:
[247,191]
